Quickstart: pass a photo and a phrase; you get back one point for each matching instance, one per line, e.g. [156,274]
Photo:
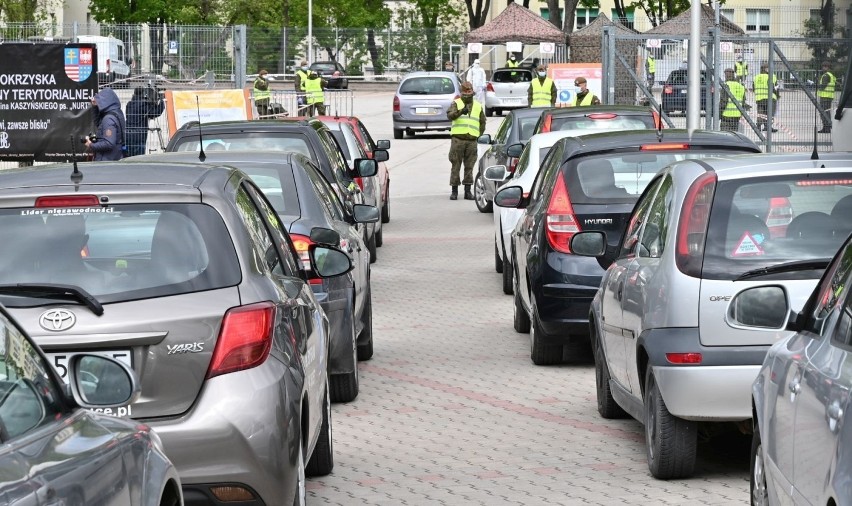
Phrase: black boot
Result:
[454,195]
[468,195]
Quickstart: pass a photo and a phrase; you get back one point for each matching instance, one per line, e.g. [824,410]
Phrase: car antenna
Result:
[660,122]
[76,175]
[201,155]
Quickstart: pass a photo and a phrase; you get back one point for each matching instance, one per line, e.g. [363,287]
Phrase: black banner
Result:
[45,100]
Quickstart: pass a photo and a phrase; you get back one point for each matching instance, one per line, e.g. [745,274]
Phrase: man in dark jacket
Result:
[145,105]
[109,120]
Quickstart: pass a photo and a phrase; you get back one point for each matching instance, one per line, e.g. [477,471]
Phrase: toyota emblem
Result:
[57,320]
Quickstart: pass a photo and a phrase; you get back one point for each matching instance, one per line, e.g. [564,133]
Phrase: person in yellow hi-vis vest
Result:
[468,117]
[512,64]
[730,119]
[542,90]
[741,69]
[583,96]
[315,95]
[301,77]
[651,67]
[262,95]
[763,96]
[827,85]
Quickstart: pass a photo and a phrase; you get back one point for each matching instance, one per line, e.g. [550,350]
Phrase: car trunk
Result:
[604,217]
[511,93]
[425,107]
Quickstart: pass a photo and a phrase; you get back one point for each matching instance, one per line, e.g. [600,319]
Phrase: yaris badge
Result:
[57,320]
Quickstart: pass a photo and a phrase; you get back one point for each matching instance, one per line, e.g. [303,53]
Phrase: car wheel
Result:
[540,353]
[365,346]
[507,276]
[344,387]
[521,320]
[397,134]
[410,133]
[322,460]
[170,499]
[489,111]
[300,498]
[386,205]
[498,260]
[371,247]
[607,407]
[670,442]
[759,490]
[380,238]
[483,204]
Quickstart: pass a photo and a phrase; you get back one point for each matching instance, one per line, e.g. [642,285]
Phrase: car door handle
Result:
[835,412]
[795,388]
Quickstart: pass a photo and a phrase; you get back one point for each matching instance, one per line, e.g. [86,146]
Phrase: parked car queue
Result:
[139,272]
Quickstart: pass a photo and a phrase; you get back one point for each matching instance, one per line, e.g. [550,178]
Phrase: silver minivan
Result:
[703,231]
[422,100]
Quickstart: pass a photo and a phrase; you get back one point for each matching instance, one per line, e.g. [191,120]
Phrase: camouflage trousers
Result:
[462,151]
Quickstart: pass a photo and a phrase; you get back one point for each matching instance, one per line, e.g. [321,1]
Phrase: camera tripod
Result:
[159,131]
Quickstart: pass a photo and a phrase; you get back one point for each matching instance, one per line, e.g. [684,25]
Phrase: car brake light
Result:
[488,87]
[560,219]
[601,115]
[683,358]
[668,90]
[244,339]
[546,124]
[664,146]
[302,246]
[824,182]
[692,226]
[395,104]
[67,201]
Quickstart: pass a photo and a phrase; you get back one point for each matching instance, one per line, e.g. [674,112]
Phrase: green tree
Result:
[825,27]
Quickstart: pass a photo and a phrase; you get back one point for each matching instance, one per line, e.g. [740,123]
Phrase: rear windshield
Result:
[621,177]
[505,76]
[118,253]
[603,122]
[248,141]
[760,222]
[427,85]
[325,67]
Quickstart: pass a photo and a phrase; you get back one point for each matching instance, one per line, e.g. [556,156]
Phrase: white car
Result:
[506,218]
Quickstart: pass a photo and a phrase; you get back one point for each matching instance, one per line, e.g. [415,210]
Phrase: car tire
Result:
[670,442]
[322,460]
[483,204]
[371,247]
[386,205]
[757,471]
[540,353]
[508,289]
[521,320]
[498,260]
[344,387]
[397,134]
[410,133]
[489,112]
[300,498]
[365,347]
[607,407]
[380,236]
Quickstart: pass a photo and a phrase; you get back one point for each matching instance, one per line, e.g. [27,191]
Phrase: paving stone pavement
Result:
[451,410]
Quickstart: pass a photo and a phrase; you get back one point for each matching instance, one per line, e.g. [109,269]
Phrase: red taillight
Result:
[692,227]
[668,90]
[513,164]
[488,87]
[780,215]
[560,219]
[360,182]
[664,146]
[395,104]
[683,358]
[67,201]
[244,339]
[602,115]
[546,124]
[302,246]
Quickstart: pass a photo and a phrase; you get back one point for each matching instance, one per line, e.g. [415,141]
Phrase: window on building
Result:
[545,13]
[728,13]
[757,20]
[627,20]
[584,17]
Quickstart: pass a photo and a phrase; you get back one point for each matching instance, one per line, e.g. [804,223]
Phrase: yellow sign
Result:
[206,106]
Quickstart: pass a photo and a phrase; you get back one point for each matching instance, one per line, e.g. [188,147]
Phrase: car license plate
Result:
[59,361]
[422,110]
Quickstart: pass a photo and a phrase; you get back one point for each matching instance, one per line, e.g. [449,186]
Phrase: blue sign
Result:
[173,47]
[566,96]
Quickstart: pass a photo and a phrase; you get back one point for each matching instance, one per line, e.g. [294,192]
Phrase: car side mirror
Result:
[383,144]
[762,307]
[365,167]
[496,173]
[484,139]
[511,197]
[329,262]
[322,235]
[588,244]
[381,155]
[364,213]
[99,382]
[515,150]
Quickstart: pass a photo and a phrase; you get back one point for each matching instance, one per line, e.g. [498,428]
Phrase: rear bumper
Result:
[563,296]
[495,102]
[422,125]
[702,393]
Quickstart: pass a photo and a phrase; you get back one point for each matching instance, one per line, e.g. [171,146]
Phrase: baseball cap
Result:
[466,88]
[541,68]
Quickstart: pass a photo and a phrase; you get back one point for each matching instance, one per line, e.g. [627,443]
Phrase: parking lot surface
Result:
[451,411]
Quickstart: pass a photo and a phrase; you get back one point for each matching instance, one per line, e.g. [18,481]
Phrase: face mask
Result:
[467,99]
[305,68]
[542,74]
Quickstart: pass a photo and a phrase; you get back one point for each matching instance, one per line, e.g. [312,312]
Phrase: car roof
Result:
[527,112]
[260,125]
[778,164]
[623,139]
[217,157]
[595,109]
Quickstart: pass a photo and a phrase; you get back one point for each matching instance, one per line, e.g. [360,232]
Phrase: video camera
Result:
[89,137]
[152,94]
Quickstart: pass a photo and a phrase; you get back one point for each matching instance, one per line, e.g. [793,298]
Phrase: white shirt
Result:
[476,76]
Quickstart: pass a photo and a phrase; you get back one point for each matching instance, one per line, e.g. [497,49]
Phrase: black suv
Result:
[675,91]
[309,137]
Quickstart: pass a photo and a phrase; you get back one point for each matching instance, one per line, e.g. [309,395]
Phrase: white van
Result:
[112,59]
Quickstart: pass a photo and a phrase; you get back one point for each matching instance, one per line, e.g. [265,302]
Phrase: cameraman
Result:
[146,104]
[109,120]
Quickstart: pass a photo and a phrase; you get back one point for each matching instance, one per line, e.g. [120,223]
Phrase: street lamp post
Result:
[310,31]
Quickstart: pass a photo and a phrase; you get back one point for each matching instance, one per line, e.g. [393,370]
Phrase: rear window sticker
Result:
[748,245]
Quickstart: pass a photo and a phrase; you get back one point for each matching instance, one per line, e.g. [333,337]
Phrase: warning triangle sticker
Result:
[747,247]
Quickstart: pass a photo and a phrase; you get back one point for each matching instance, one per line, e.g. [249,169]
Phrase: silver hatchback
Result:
[703,231]
[421,102]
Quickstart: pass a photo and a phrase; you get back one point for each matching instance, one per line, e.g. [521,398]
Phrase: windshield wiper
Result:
[796,265]
[56,291]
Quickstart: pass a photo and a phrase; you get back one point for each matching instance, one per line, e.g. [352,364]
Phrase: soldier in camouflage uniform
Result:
[468,117]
